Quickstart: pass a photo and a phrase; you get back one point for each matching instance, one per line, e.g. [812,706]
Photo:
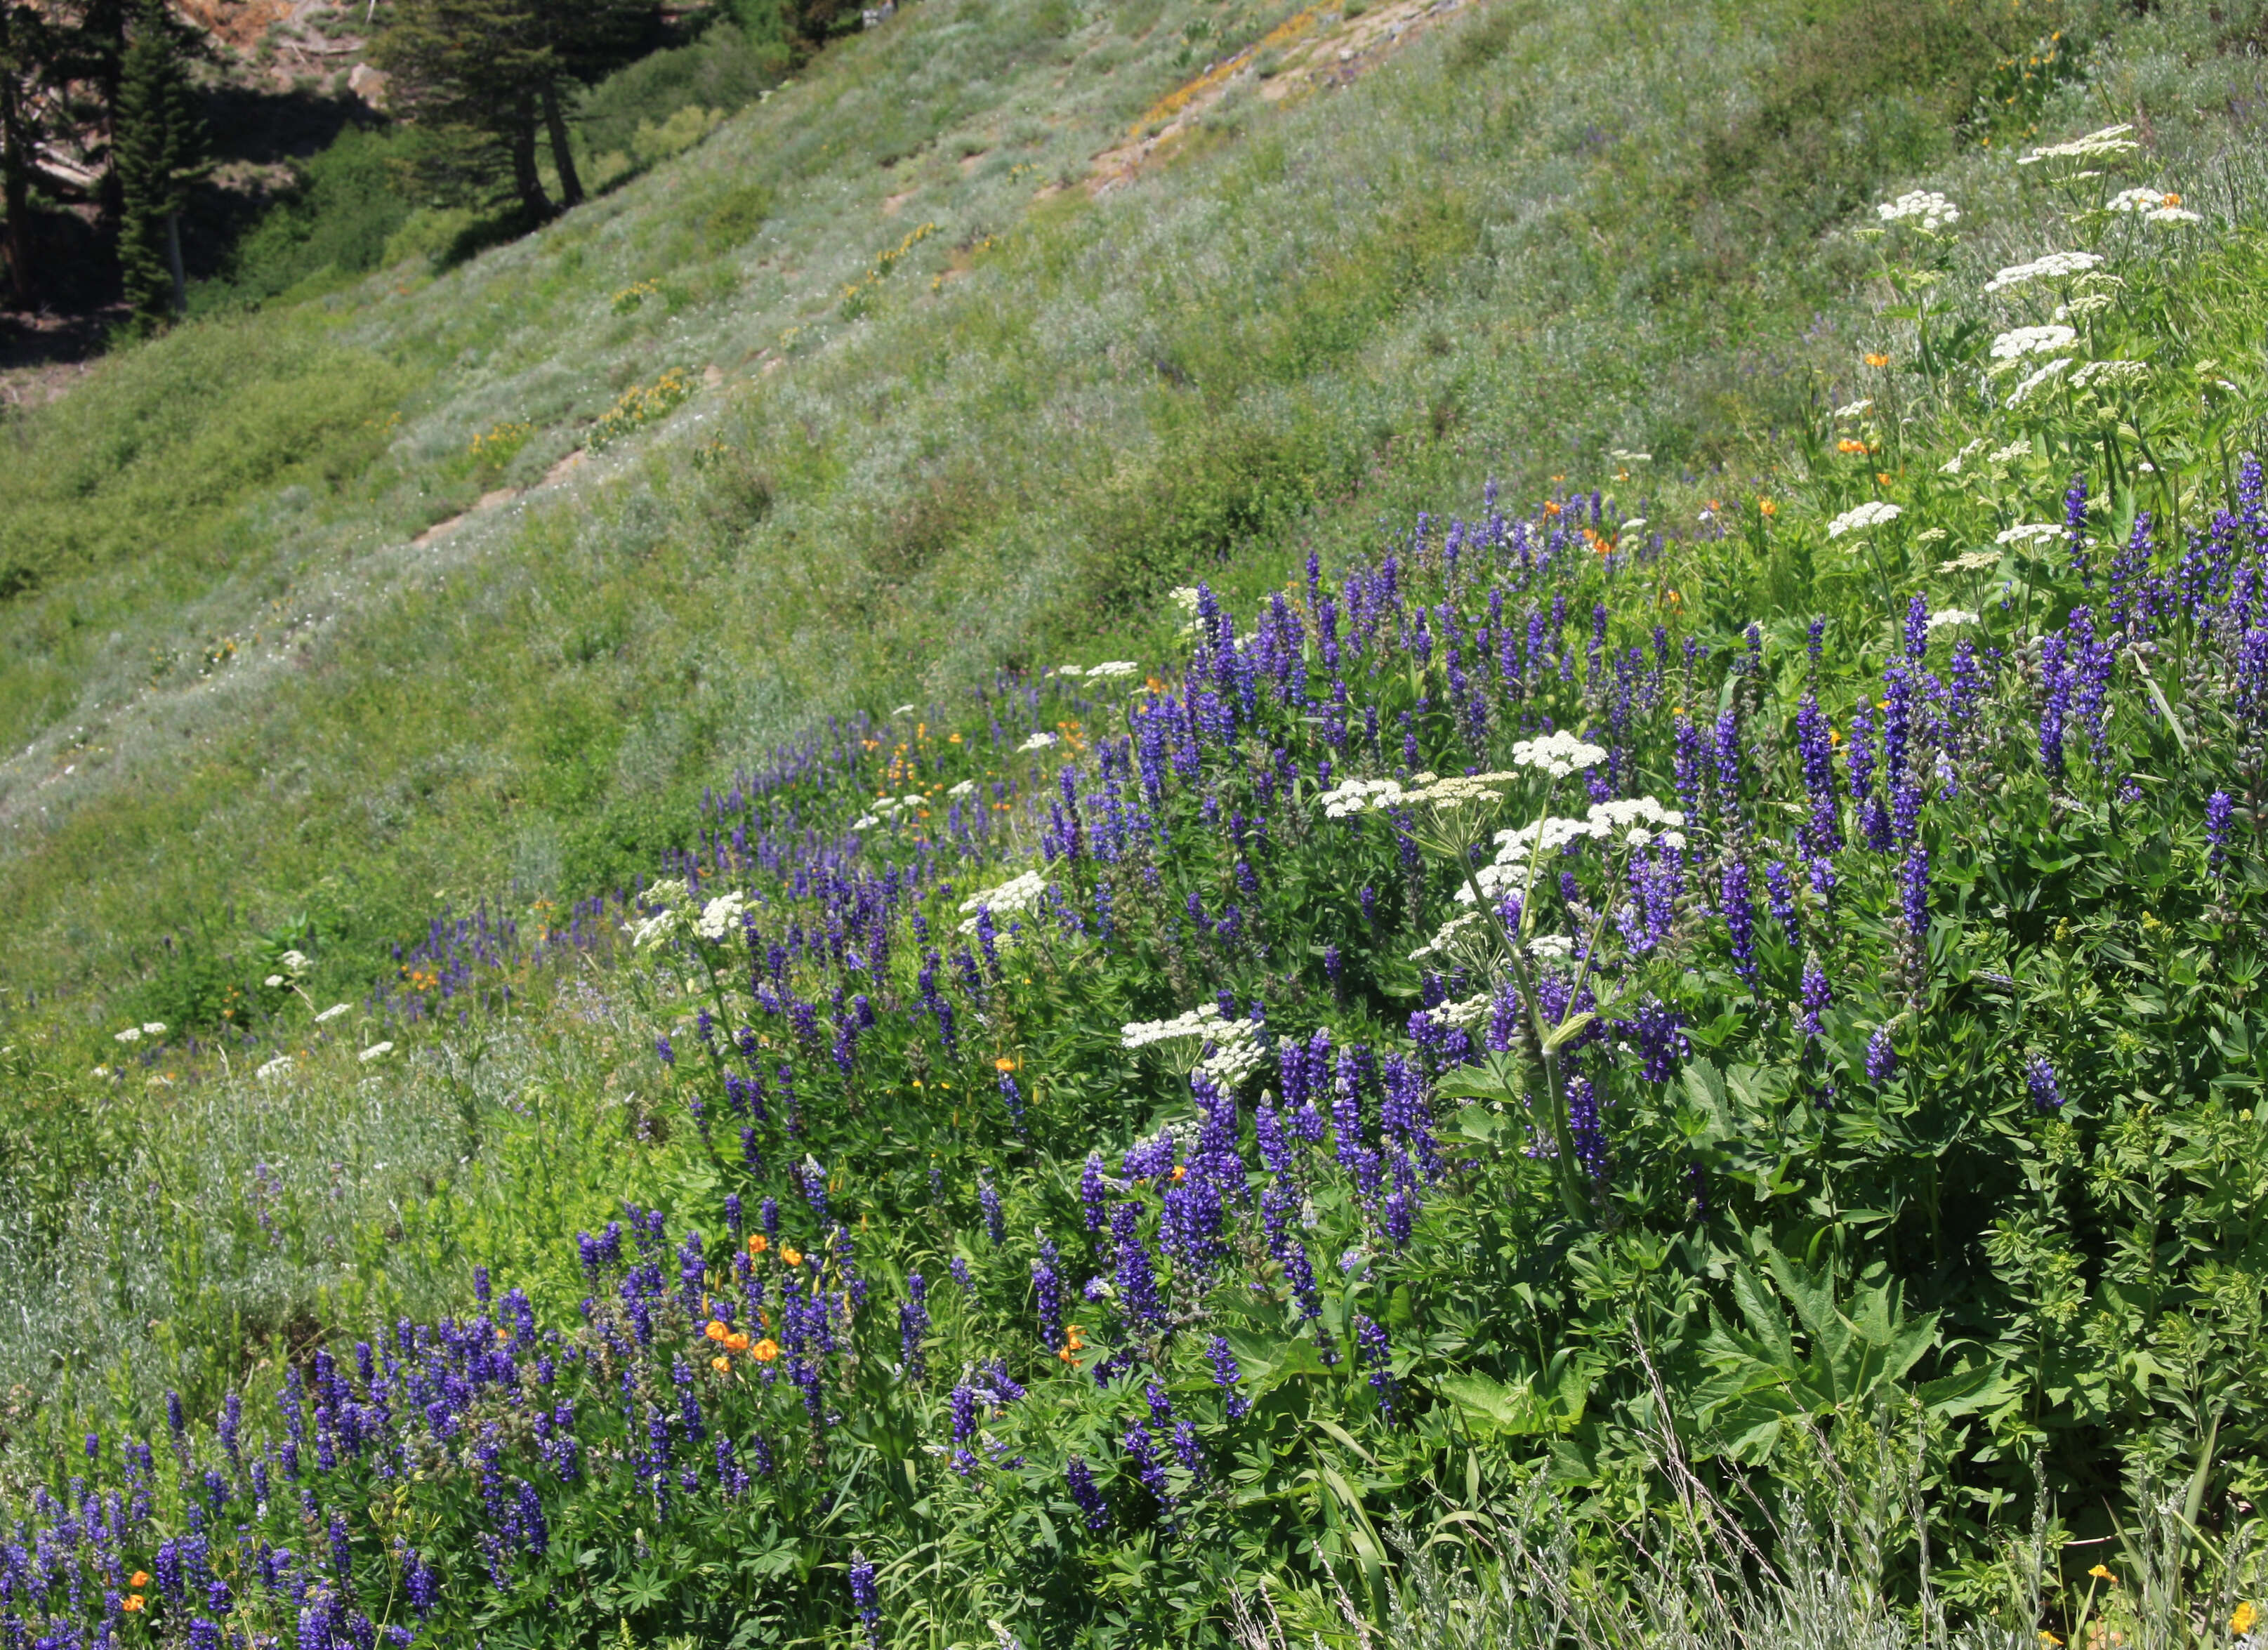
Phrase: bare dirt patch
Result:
[1316,49]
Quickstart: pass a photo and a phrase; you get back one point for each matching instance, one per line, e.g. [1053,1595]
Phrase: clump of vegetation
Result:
[1692,1043]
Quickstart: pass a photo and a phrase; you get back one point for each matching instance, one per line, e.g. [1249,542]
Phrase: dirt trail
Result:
[1317,49]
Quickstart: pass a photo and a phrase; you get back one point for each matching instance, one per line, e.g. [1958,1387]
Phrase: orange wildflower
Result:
[131,1603]
[736,1342]
[139,1579]
[758,1243]
[793,1257]
[721,1364]
[1877,360]
[765,1350]
[715,1332]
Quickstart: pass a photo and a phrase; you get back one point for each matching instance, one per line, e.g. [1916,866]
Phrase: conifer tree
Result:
[482,77]
[159,151]
[27,82]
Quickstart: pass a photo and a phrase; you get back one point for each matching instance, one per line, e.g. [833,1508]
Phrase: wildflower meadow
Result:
[1675,1057]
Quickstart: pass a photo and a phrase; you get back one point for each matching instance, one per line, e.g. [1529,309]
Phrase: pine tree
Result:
[483,78]
[159,151]
[28,81]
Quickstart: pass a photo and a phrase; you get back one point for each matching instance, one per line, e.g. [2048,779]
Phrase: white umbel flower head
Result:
[376,1052]
[1037,741]
[1932,209]
[153,1028]
[1945,617]
[2106,144]
[1358,796]
[1558,754]
[2043,376]
[333,1013]
[2052,267]
[132,1033]
[1874,513]
[274,1069]
[2095,373]
[720,916]
[962,789]
[1017,893]
[2019,342]
[2028,533]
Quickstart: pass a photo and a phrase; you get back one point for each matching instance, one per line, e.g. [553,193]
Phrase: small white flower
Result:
[132,1033]
[1633,525]
[295,962]
[1552,948]
[99,1071]
[2134,200]
[1017,893]
[1933,208]
[962,789]
[2023,341]
[2011,454]
[1873,514]
[153,1028]
[2028,533]
[2110,141]
[1856,410]
[1970,562]
[903,709]
[274,981]
[1951,615]
[1184,597]
[376,1052]
[2096,373]
[1558,754]
[2172,214]
[1622,456]
[2044,375]
[2054,265]
[1114,667]
[332,1013]
[1038,741]
[721,916]
[864,822]
[1441,942]
[1952,466]
[1354,796]
[275,1067]
[1069,670]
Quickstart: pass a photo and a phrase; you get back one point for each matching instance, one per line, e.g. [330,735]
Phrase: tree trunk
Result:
[173,263]
[532,201]
[16,191]
[571,186]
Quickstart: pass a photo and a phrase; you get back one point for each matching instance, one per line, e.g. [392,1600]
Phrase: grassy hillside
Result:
[1527,238]
[1869,1165]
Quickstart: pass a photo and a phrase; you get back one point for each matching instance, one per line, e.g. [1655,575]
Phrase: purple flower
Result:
[913,1326]
[1142,1450]
[1817,997]
[1913,888]
[1080,1478]
[2220,813]
[1375,1352]
[1226,1375]
[1047,1287]
[1882,1058]
[1740,918]
[2040,1082]
[1780,890]
[1093,1195]
[988,1201]
[864,1601]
